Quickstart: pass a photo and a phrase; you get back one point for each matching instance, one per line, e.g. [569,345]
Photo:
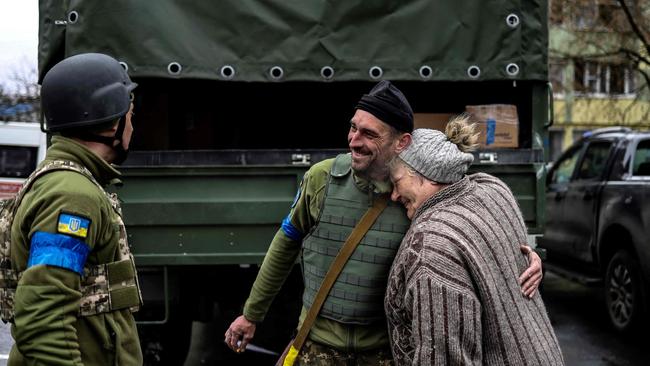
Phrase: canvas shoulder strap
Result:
[335,269]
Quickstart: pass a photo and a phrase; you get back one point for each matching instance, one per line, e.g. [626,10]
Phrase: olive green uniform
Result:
[47,327]
[345,337]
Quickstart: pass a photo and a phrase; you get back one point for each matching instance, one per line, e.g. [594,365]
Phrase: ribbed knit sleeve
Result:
[446,321]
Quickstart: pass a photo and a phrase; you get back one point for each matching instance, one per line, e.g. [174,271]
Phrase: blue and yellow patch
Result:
[74,225]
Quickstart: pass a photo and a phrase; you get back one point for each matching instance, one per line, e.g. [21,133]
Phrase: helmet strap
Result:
[106,140]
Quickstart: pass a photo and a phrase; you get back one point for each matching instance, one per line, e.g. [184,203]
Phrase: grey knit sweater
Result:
[453,297]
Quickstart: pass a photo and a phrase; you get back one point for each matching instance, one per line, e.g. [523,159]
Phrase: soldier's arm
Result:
[48,293]
[286,244]
[281,256]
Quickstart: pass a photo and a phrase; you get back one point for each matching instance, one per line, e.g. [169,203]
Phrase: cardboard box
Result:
[435,121]
[497,123]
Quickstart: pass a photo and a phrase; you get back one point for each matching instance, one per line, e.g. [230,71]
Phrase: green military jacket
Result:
[282,255]
[46,328]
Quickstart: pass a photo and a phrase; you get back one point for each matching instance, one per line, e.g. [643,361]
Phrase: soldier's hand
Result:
[241,331]
[532,276]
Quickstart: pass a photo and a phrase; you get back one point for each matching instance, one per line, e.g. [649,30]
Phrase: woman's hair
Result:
[461,131]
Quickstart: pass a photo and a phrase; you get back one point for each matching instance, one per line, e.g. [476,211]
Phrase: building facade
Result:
[598,64]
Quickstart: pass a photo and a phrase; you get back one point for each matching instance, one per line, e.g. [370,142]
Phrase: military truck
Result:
[237,98]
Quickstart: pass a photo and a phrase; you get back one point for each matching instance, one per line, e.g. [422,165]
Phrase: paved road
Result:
[579,318]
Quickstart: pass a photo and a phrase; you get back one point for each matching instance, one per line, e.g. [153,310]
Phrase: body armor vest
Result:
[104,287]
[357,296]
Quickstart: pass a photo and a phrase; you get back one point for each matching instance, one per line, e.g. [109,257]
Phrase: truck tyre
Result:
[623,292]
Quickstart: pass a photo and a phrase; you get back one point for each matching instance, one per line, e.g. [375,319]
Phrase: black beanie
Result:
[387,103]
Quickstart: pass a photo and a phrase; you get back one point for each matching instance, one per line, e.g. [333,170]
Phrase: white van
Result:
[22,147]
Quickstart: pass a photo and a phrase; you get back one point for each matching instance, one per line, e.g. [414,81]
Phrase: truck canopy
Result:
[235,100]
[244,40]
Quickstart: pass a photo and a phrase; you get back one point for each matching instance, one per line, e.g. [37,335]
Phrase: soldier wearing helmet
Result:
[77,284]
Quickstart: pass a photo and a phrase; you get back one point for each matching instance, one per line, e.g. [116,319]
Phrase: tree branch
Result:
[634,25]
[635,55]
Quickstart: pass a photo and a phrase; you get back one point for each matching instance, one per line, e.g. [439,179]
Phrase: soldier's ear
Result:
[403,142]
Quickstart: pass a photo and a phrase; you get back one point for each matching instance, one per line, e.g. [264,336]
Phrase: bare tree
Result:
[20,96]
[606,43]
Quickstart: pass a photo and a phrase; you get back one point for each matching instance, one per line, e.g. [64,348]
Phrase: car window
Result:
[565,167]
[594,161]
[641,162]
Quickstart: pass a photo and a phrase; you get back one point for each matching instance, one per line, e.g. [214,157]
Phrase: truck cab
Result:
[22,147]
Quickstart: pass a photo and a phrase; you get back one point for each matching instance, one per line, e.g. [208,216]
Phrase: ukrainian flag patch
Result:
[74,225]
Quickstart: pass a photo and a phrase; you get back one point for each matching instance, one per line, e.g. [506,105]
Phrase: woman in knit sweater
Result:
[453,297]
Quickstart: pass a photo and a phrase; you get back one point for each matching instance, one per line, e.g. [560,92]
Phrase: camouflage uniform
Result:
[52,326]
[314,354]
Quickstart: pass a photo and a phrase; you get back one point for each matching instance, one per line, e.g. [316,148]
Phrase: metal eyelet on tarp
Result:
[426,72]
[375,72]
[227,72]
[73,16]
[124,65]
[327,72]
[276,73]
[512,69]
[473,71]
[174,68]
[512,20]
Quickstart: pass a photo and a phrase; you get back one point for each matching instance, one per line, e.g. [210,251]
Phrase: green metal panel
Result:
[302,36]
[228,215]
[205,215]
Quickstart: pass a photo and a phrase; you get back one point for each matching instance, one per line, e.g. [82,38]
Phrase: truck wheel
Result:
[623,292]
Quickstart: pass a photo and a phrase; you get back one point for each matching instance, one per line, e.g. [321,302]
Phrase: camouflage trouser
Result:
[314,354]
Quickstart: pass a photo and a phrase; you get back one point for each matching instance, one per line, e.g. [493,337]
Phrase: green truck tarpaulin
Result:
[407,40]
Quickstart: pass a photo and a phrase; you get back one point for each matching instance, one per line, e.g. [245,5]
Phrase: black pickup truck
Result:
[598,219]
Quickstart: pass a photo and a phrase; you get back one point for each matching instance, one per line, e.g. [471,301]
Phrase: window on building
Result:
[584,14]
[604,79]
[602,15]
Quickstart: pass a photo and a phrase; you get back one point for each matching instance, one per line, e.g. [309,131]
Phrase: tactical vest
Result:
[357,296]
[104,288]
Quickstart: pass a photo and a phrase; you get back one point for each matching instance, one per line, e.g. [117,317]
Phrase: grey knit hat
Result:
[435,157]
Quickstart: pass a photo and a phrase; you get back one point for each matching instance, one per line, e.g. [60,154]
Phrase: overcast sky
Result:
[18,38]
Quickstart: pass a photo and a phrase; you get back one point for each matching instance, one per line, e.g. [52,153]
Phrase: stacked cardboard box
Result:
[498,124]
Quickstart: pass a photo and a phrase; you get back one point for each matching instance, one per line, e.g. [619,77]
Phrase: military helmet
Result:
[85,90]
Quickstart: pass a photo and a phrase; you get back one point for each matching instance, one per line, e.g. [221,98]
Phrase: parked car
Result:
[598,219]
[22,147]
